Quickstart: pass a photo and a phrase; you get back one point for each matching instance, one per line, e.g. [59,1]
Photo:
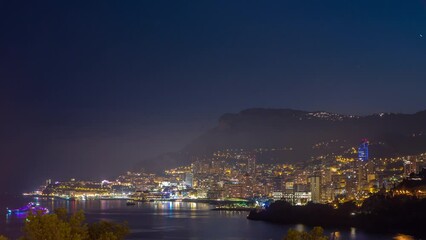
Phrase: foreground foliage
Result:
[317,233]
[62,226]
[379,213]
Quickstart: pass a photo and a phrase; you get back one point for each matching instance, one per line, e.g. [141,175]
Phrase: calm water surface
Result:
[166,220]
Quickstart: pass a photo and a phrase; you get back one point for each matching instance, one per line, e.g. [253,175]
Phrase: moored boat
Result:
[30,207]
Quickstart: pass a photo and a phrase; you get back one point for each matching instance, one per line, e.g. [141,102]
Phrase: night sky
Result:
[89,89]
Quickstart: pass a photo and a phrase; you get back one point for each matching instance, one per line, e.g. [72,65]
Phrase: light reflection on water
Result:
[353,233]
[403,237]
[173,220]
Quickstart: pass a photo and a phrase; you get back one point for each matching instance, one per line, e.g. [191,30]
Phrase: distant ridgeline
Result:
[286,135]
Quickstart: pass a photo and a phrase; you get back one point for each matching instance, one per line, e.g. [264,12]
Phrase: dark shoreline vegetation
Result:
[63,226]
[378,214]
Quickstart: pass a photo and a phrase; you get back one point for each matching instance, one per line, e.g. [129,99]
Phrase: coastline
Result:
[404,217]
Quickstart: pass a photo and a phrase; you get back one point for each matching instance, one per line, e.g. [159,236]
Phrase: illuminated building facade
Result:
[363,151]
[362,183]
[189,179]
[315,184]
[251,165]
[409,166]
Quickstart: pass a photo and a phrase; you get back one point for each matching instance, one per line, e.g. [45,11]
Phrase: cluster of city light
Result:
[234,173]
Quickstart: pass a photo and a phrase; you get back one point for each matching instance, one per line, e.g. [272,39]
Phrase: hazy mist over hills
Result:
[390,134]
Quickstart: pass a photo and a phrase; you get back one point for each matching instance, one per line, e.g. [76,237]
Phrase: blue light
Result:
[363,151]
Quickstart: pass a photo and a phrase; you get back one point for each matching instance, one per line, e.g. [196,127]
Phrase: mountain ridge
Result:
[397,133]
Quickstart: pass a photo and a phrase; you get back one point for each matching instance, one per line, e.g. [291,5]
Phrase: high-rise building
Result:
[363,150]
[409,166]
[251,165]
[361,165]
[278,184]
[315,183]
[189,179]
[234,190]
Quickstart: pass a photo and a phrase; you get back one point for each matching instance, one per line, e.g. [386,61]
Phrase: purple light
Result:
[30,207]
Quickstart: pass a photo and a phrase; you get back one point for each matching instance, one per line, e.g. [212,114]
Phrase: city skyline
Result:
[235,175]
